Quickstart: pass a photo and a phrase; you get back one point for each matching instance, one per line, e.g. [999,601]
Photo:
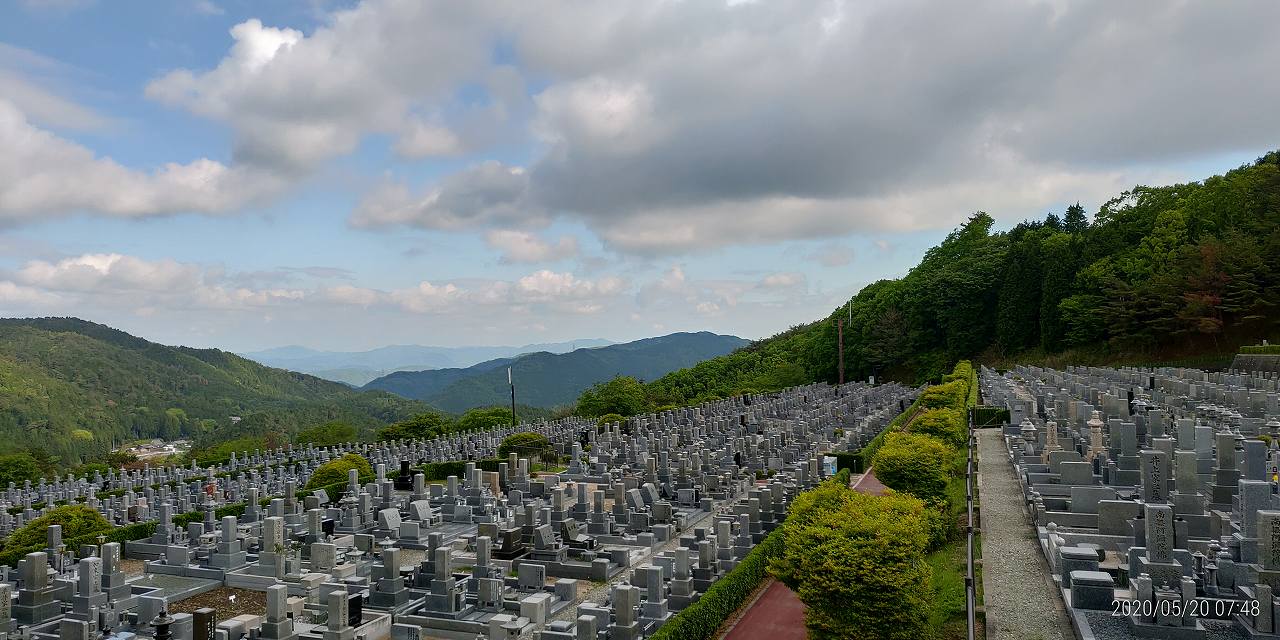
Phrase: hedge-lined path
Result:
[777,614]
[1020,603]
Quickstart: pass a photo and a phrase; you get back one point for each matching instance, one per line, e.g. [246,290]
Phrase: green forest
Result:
[70,389]
[1179,273]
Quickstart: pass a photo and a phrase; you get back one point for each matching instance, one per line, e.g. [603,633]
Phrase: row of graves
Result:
[657,508]
[1153,493]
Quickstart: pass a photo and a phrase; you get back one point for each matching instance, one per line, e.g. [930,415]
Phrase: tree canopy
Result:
[422,425]
[329,433]
[527,443]
[622,395]
[484,418]
[1159,273]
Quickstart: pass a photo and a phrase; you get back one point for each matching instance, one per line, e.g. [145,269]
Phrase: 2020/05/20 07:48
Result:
[1198,608]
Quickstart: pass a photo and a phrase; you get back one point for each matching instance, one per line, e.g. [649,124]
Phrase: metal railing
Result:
[970,584]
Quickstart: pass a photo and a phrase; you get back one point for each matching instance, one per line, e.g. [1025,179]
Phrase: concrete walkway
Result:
[1019,600]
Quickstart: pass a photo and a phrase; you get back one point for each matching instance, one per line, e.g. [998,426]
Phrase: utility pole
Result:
[840,345]
[513,396]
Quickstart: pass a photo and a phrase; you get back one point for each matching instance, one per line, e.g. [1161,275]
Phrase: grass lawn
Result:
[948,564]
[949,618]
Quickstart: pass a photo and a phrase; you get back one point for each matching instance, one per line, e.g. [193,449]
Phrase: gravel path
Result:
[1019,600]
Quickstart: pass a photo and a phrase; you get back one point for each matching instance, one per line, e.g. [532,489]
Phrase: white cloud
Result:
[295,100]
[207,7]
[832,255]
[707,308]
[427,297]
[667,128]
[782,280]
[525,247]
[114,280]
[551,286]
[670,127]
[32,82]
[422,139]
[43,175]
[18,295]
[110,271]
[489,193]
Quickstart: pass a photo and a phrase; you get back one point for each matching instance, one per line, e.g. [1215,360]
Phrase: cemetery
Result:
[647,516]
[1153,495]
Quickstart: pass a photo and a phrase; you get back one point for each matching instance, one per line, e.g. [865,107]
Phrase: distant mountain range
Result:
[73,387]
[549,379]
[359,367]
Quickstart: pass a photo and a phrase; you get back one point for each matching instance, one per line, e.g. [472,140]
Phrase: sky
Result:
[347,175]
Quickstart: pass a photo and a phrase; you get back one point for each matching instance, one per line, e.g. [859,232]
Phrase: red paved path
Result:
[777,615]
[869,483]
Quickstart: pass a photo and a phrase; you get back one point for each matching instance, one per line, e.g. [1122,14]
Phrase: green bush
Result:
[442,470]
[857,563]
[703,618]
[947,425]
[914,463]
[610,418]
[526,443]
[944,396]
[76,520]
[1261,349]
[335,471]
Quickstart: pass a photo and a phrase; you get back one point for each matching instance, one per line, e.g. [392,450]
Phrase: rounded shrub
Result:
[335,471]
[610,418]
[950,395]
[857,563]
[947,425]
[76,520]
[524,443]
[914,463]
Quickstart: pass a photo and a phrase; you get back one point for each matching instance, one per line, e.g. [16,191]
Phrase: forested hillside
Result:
[1158,273]
[69,388]
[548,379]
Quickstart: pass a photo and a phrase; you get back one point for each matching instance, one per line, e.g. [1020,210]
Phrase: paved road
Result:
[1018,598]
[777,615]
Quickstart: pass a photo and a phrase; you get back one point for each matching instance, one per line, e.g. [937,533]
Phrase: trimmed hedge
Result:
[857,562]
[915,463]
[442,470]
[703,618]
[947,425]
[1261,350]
